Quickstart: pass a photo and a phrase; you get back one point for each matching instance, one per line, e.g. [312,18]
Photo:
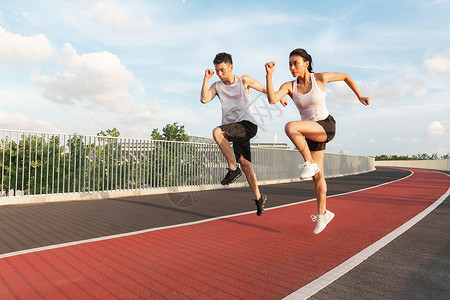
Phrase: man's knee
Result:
[245,164]
[218,133]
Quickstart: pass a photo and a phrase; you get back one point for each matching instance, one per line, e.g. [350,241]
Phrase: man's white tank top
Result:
[235,102]
[311,105]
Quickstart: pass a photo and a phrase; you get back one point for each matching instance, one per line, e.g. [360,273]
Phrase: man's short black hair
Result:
[223,58]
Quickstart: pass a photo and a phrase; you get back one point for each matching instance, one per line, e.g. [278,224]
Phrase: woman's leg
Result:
[320,185]
[324,216]
[298,130]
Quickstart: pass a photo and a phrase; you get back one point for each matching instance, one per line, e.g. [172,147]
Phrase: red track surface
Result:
[239,257]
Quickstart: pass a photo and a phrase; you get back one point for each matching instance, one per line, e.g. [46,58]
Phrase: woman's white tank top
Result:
[311,105]
[235,102]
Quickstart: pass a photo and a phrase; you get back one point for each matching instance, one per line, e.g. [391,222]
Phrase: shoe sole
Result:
[262,206]
[237,176]
[332,217]
[306,176]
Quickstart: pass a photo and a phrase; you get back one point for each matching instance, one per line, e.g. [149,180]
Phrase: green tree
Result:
[109,133]
[171,132]
[156,135]
[172,162]
[114,164]
[49,164]
[419,156]
[8,158]
[26,162]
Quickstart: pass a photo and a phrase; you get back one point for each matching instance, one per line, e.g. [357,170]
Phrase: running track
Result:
[239,256]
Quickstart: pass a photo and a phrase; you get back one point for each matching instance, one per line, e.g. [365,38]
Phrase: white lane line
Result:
[316,285]
[103,238]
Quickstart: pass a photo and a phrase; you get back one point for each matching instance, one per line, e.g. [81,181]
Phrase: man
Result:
[238,123]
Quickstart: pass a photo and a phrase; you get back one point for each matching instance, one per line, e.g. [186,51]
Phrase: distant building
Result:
[196,139]
[271,145]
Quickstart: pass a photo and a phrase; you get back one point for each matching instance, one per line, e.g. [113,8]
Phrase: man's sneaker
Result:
[308,170]
[231,176]
[260,204]
[322,221]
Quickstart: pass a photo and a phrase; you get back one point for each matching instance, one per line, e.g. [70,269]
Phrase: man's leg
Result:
[224,145]
[253,182]
[251,176]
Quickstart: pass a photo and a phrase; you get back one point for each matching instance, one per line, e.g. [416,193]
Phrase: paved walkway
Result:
[59,250]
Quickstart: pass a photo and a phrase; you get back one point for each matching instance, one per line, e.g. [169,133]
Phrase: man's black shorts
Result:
[240,134]
[329,125]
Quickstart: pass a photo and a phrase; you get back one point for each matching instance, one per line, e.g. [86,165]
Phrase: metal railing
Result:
[39,163]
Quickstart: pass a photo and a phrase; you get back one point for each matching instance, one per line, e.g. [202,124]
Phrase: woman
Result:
[317,126]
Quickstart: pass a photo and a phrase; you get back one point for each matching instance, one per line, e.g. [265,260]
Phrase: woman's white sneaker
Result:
[322,221]
[308,170]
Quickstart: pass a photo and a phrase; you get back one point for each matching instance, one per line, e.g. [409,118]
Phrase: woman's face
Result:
[297,65]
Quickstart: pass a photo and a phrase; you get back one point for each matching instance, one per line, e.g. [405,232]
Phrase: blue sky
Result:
[85,66]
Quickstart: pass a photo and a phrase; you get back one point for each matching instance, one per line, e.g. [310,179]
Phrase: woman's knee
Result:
[318,178]
[289,128]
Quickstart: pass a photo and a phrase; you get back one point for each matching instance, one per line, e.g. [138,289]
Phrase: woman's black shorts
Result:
[329,125]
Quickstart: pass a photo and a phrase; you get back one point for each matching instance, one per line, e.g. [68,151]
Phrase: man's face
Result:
[223,70]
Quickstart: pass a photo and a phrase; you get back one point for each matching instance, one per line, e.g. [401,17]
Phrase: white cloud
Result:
[439,3]
[148,22]
[140,115]
[340,94]
[110,15]
[438,65]
[371,141]
[435,129]
[402,140]
[97,79]
[23,16]
[18,121]
[23,50]
[398,140]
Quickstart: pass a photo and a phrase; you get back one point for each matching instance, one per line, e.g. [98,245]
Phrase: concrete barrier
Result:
[335,165]
[437,164]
